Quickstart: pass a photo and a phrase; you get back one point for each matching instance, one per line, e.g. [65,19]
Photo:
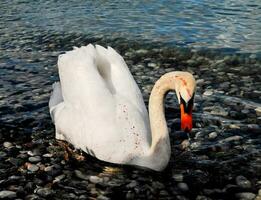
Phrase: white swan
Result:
[98,107]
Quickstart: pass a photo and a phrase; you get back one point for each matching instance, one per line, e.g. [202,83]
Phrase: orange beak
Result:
[186,118]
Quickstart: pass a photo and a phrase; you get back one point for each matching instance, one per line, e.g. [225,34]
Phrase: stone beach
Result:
[221,160]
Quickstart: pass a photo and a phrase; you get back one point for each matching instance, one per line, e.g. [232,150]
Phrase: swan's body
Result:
[99,108]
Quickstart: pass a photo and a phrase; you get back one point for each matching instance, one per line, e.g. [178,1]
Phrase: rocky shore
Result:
[221,161]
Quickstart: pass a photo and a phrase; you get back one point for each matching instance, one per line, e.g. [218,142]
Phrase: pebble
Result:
[208,93]
[183,187]
[185,144]
[157,185]
[242,182]
[178,177]
[153,65]
[132,184]
[231,139]
[101,197]
[59,178]
[217,110]
[32,167]
[130,195]
[245,196]
[258,111]
[212,135]
[95,179]
[43,192]
[6,194]
[81,175]
[8,144]
[35,159]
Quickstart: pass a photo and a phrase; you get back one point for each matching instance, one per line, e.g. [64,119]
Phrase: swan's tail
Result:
[56,98]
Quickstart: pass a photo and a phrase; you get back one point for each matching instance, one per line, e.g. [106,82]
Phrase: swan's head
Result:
[185,85]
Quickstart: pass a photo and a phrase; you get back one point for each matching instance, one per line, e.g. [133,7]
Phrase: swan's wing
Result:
[82,84]
[119,76]
[55,99]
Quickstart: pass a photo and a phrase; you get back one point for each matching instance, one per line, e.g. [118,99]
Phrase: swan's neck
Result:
[160,145]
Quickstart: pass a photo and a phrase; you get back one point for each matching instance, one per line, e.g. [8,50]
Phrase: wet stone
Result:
[101,197]
[43,192]
[132,184]
[212,135]
[183,187]
[35,159]
[130,195]
[208,93]
[216,110]
[178,177]
[32,167]
[6,194]
[81,175]
[231,139]
[95,179]
[242,182]
[8,144]
[245,196]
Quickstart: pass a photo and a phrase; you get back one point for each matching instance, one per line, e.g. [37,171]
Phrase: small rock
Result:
[153,65]
[258,111]
[231,139]
[183,187]
[184,144]
[158,185]
[101,197]
[201,197]
[208,93]
[243,182]
[130,195]
[212,135]
[32,197]
[132,184]
[245,195]
[6,194]
[95,179]
[178,177]
[8,144]
[164,193]
[35,159]
[59,178]
[43,192]
[32,167]
[80,175]
[217,110]
[48,155]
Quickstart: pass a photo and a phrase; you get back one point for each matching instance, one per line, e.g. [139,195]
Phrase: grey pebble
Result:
[208,93]
[95,179]
[33,167]
[245,195]
[130,195]
[178,177]
[212,135]
[242,182]
[132,184]
[81,175]
[43,192]
[35,159]
[6,194]
[101,197]
[183,187]
[231,139]
[7,144]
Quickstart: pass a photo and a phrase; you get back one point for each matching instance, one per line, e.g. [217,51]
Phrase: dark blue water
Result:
[231,24]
